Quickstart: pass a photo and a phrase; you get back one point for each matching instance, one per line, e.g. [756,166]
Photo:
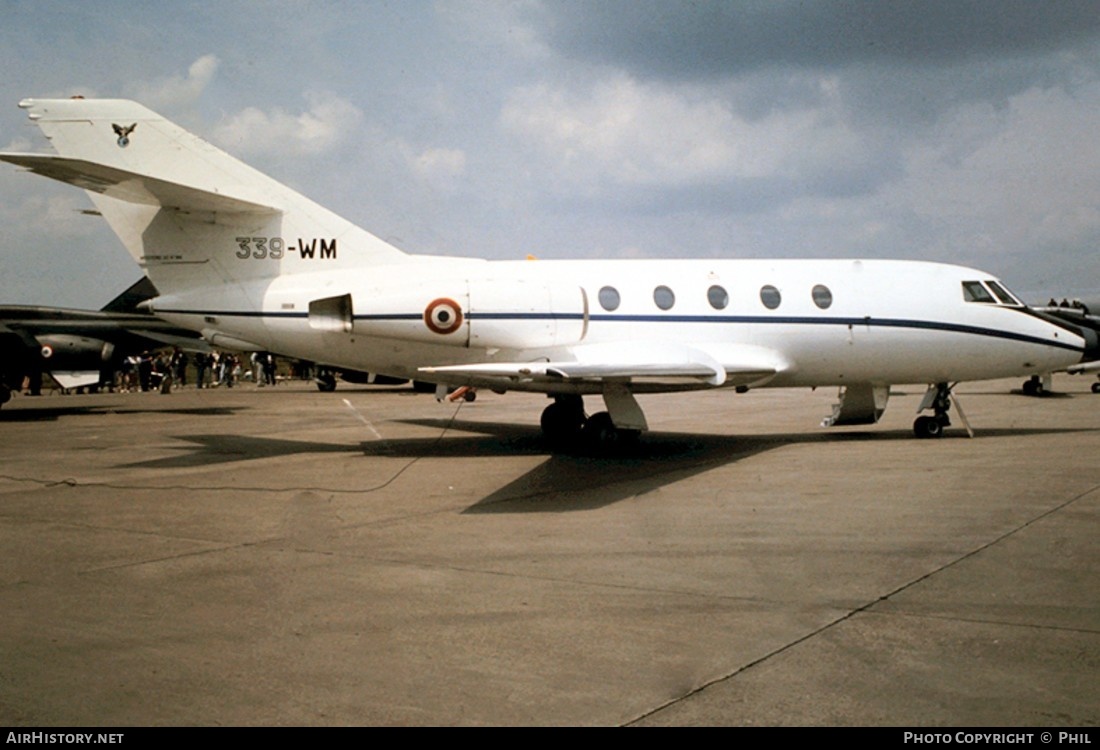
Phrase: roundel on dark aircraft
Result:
[443,316]
[47,351]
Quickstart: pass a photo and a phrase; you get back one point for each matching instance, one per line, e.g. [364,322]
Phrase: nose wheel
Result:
[938,399]
[930,427]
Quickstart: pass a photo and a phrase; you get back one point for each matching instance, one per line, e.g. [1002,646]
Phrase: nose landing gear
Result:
[938,399]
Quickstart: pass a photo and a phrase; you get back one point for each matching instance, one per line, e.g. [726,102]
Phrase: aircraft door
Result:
[525,314]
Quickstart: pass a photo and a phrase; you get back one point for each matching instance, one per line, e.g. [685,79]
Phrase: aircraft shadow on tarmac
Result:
[211,450]
[52,413]
[563,482]
[568,482]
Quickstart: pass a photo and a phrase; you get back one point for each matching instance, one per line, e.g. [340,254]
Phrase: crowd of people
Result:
[171,368]
[174,368]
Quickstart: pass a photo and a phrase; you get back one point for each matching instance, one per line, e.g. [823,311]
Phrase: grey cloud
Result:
[681,40]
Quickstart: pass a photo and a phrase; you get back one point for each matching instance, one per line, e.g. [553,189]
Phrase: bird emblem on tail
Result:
[123,133]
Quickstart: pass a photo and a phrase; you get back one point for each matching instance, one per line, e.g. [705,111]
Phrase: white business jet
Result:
[254,265]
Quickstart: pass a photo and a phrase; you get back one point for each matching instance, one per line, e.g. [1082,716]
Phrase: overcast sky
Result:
[953,130]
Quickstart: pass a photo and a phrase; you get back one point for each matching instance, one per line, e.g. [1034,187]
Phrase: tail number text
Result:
[274,248]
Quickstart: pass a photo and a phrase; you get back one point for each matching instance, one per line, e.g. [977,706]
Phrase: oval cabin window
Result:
[770,296]
[609,298]
[664,298]
[718,297]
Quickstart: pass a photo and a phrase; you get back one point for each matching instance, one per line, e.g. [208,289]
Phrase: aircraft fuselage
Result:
[816,322]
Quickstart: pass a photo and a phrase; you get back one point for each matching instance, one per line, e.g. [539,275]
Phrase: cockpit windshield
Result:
[1006,297]
[989,292]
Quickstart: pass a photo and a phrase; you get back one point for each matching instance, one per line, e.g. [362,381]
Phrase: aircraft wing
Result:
[656,366]
[132,186]
[1083,367]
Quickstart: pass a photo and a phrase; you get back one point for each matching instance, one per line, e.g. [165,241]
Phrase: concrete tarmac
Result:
[280,556]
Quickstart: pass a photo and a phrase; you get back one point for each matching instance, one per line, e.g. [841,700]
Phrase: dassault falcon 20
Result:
[252,264]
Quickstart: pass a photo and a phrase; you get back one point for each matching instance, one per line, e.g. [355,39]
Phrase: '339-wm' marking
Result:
[274,248]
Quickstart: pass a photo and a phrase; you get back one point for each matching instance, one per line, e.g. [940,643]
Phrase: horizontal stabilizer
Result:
[133,187]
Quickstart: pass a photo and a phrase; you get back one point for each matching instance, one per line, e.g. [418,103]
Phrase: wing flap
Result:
[672,364]
[132,186]
[559,371]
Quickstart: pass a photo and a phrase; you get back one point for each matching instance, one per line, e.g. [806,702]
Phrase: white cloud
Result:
[1031,177]
[648,134]
[178,92]
[18,144]
[329,120]
[438,165]
[55,213]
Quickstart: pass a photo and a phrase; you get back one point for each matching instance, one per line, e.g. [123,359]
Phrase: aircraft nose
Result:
[1092,344]
[1080,322]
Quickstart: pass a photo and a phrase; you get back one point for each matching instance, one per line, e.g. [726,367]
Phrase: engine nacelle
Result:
[478,313]
[63,351]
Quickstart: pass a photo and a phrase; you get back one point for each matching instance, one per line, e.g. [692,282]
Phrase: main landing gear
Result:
[938,399]
[1037,386]
[568,428]
[325,380]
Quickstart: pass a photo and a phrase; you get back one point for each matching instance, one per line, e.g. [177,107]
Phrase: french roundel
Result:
[443,316]
[47,351]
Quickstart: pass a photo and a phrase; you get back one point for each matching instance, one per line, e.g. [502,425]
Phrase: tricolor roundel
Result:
[443,316]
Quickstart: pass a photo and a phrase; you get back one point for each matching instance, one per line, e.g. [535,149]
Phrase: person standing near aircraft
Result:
[268,362]
[179,366]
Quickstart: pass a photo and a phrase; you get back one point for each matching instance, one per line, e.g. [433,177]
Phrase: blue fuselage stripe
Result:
[925,325]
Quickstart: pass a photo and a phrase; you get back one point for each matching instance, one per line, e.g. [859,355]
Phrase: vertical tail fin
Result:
[191,215]
[128,301]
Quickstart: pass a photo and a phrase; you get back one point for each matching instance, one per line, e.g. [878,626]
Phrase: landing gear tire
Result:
[1096,387]
[326,382]
[601,436]
[563,420]
[1033,387]
[566,427]
[928,427]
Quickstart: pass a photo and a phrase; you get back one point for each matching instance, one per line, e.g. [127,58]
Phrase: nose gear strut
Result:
[938,399]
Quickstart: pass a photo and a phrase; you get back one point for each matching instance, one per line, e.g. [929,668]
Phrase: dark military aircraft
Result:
[80,348]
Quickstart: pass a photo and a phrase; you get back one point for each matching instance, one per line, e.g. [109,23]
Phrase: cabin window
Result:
[770,296]
[609,298]
[823,298]
[973,291]
[664,298]
[718,297]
